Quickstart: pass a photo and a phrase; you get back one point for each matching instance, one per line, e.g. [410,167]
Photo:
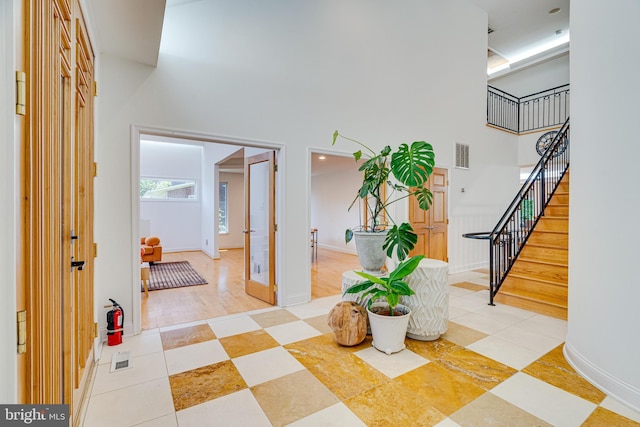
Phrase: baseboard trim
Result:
[614,387]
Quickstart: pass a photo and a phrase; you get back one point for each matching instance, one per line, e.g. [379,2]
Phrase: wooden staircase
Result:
[538,280]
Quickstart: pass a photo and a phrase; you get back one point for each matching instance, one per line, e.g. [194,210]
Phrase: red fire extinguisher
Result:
[115,320]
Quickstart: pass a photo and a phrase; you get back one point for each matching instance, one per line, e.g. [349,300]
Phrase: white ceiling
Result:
[132,29]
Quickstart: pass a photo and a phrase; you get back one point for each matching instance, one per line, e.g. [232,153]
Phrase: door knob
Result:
[430,227]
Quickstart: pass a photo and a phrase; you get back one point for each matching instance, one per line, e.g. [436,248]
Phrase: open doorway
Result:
[187,219]
[335,180]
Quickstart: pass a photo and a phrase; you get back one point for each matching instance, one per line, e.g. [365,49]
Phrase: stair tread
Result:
[554,304]
[537,261]
[535,279]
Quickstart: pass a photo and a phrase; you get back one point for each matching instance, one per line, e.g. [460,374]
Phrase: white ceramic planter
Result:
[388,332]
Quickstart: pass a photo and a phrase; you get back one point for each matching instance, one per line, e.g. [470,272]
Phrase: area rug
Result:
[167,275]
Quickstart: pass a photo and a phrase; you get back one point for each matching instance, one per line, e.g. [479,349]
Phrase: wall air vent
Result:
[490,30]
[462,156]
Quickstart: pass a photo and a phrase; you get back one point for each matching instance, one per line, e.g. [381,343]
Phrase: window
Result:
[167,189]
[223,218]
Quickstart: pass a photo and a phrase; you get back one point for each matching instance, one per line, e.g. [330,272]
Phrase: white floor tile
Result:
[545,325]
[238,409]
[165,421]
[613,405]
[194,356]
[480,323]
[266,365]
[455,312]
[531,340]
[337,415]
[292,332]
[234,326]
[447,422]
[504,315]
[470,302]
[317,307]
[130,405]
[394,364]
[543,400]
[504,351]
[137,345]
[182,325]
[143,369]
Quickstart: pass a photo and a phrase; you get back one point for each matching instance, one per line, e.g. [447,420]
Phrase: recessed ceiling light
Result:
[322,158]
[554,11]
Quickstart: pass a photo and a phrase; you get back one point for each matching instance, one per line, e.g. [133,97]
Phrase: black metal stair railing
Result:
[539,110]
[514,228]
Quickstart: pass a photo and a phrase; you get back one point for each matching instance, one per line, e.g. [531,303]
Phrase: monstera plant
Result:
[388,177]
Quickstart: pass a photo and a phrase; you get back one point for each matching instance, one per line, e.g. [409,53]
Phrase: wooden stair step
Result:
[557,210]
[541,271]
[547,291]
[552,239]
[553,223]
[545,254]
[551,310]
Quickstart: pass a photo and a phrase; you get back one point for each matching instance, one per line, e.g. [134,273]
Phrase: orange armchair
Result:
[150,249]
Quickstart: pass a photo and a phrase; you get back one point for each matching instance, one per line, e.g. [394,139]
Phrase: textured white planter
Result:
[388,332]
[370,253]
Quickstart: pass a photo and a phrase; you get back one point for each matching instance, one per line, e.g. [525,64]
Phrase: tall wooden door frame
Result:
[56,172]
[136,133]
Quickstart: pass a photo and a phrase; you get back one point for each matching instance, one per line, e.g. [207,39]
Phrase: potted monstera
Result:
[387,317]
[388,177]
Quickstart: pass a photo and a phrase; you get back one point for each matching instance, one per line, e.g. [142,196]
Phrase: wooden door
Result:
[259,247]
[432,226]
[57,214]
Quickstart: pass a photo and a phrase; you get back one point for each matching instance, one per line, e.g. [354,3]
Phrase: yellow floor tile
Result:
[482,371]
[197,386]
[462,335]
[431,350]
[470,286]
[274,318]
[186,336]
[603,417]
[440,388]
[554,369]
[247,343]
[292,397]
[391,404]
[344,373]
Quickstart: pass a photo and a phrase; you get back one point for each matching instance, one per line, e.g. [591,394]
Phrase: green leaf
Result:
[392,299]
[405,268]
[357,155]
[402,239]
[348,235]
[401,288]
[425,198]
[369,277]
[413,165]
[335,136]
[359,287]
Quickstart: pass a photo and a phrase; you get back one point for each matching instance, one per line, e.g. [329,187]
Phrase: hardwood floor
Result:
[224,294]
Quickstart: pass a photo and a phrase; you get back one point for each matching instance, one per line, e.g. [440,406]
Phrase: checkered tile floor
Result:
[281,367]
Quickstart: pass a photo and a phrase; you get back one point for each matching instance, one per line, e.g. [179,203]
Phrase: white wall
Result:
[331,195]
[235,210]
[602,340]
[291,73]
[177,223]
[536,78]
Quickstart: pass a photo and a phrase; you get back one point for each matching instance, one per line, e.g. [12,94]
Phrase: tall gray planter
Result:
[370,253]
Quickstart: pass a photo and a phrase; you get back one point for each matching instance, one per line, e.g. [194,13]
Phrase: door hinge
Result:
[95,169]
[275,168]
[275,288]
[95,250]
[96,330]
[21,93]
[95,88]
[22,331]
[275,227]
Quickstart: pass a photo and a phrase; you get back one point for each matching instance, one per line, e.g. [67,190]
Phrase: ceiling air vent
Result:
[462,156]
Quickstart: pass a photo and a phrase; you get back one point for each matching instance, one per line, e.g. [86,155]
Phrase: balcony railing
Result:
[540,110]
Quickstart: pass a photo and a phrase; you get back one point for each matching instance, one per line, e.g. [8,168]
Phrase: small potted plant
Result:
[410,168]
[387,317]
